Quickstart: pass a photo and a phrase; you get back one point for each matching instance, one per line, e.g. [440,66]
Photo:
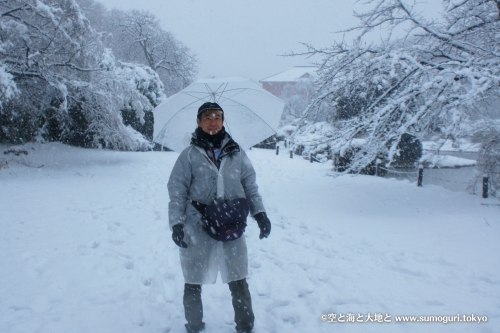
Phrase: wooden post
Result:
[377,167]
[420,177]
[277,150]
[285,143]
[485,186]
[291,153]
[336,161]
[310,157]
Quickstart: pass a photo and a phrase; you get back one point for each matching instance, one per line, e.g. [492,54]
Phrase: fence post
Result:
[420,177]
[336,161]
[291,153]
[485,186]
[277,150]
[285,143]
[310,157]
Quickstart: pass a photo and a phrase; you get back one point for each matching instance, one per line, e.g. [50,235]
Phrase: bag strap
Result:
[200,207]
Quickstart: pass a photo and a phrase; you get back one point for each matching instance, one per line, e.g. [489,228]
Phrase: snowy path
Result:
[85,248]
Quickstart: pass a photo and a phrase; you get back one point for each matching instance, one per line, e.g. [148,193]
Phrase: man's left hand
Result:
[264,224]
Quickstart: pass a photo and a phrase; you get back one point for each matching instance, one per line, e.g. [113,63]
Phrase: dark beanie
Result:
[209,106]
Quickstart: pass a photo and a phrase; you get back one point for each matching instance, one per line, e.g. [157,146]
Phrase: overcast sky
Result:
[246,37]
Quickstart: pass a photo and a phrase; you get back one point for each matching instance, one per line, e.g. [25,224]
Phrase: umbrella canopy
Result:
[251,114]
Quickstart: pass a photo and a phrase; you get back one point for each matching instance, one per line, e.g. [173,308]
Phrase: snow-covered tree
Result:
[120,89]
[297,96]
[8,87]
[45,47]
[59,82]
[138,37]
[489,161]
[432,79]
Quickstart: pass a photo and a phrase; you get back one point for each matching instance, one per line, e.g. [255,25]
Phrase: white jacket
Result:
[196,177]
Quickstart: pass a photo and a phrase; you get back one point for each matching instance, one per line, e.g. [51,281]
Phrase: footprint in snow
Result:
[129,265]
[255,265]
[94,244]
[147,282]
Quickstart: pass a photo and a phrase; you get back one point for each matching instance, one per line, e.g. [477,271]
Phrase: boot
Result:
[242,304]
[193,308]
[198,329]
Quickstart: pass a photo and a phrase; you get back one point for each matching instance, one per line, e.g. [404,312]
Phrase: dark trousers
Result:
[242,304]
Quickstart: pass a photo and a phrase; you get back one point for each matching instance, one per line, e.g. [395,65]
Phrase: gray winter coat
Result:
[196,177]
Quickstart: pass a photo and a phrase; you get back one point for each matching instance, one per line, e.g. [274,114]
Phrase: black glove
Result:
[178,235]
[264,224]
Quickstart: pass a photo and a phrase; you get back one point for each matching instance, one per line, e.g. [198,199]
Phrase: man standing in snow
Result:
[213,173]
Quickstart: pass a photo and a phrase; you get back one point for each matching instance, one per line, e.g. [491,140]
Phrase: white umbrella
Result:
[251,114]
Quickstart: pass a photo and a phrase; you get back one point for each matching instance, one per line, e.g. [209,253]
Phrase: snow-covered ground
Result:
[85,247]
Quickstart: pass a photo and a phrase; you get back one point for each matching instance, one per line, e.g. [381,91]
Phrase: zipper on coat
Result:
[212,154]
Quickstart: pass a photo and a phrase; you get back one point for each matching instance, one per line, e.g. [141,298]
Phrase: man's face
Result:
[211,121]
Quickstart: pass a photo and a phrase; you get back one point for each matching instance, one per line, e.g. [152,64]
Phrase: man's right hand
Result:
[178,235]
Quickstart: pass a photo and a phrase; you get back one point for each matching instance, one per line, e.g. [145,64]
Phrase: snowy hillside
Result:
[85,248]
